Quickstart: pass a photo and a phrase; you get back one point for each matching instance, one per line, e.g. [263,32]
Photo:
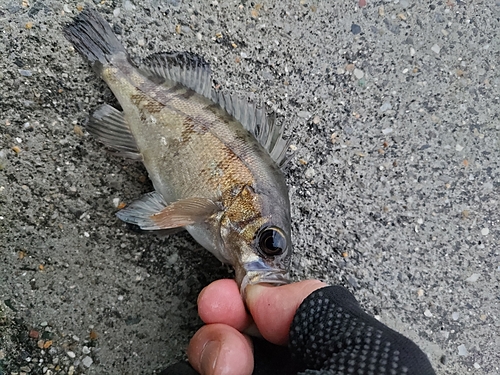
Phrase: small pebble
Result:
[310,173]
[436,49]
[116,12]
[34,334]
[477,365]
[485,231]
[386,106]
[87,361]
[267,75]
[352,280]
[435,119]
[462,350]
[78,130]
[127,5]
[85,350]
[93,335]
[387,131]
[428,313]
[172,259]
[66,8]
[304,114]
[358,73]
[355,29]
[25,73]
[459,147]
[70,354]
[473,278]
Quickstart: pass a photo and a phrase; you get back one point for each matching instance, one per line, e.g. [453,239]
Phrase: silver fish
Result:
[213,159]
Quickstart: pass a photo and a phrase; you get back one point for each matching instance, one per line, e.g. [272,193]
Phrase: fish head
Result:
[255,234]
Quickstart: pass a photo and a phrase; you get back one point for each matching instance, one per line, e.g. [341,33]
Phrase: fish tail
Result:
[93,38]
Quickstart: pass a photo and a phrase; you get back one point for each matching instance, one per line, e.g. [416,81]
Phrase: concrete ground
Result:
[393,108]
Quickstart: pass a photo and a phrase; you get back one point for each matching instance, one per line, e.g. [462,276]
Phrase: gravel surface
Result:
[393,107]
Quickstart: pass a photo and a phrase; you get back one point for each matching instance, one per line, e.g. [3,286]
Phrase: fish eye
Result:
[272,241]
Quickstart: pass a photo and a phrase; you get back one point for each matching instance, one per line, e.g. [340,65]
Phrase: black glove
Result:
[332,335]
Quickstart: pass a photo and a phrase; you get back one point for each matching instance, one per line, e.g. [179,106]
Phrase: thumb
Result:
[273,308]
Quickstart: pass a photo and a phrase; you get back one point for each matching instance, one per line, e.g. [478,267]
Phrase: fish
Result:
[214,159]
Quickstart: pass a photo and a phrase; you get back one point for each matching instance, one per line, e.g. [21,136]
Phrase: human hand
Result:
[222,346]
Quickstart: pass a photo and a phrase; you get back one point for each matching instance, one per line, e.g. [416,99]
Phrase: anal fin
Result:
[109,126]
[151,212]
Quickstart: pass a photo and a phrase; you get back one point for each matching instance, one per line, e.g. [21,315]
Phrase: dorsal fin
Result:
[186,68]
[192,71]
[256,120]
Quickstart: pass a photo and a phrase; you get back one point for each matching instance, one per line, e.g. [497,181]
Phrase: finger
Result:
[273,308]
[221,302]
[218,349]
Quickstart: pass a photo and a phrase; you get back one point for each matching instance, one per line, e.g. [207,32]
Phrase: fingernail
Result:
[209,356]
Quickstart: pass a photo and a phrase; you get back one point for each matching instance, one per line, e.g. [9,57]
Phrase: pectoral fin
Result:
[108,125]
[151,212]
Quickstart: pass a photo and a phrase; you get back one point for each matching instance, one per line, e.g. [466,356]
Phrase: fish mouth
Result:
[258,272]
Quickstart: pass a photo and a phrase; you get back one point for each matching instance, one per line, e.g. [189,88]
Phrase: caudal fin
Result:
[92,36]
